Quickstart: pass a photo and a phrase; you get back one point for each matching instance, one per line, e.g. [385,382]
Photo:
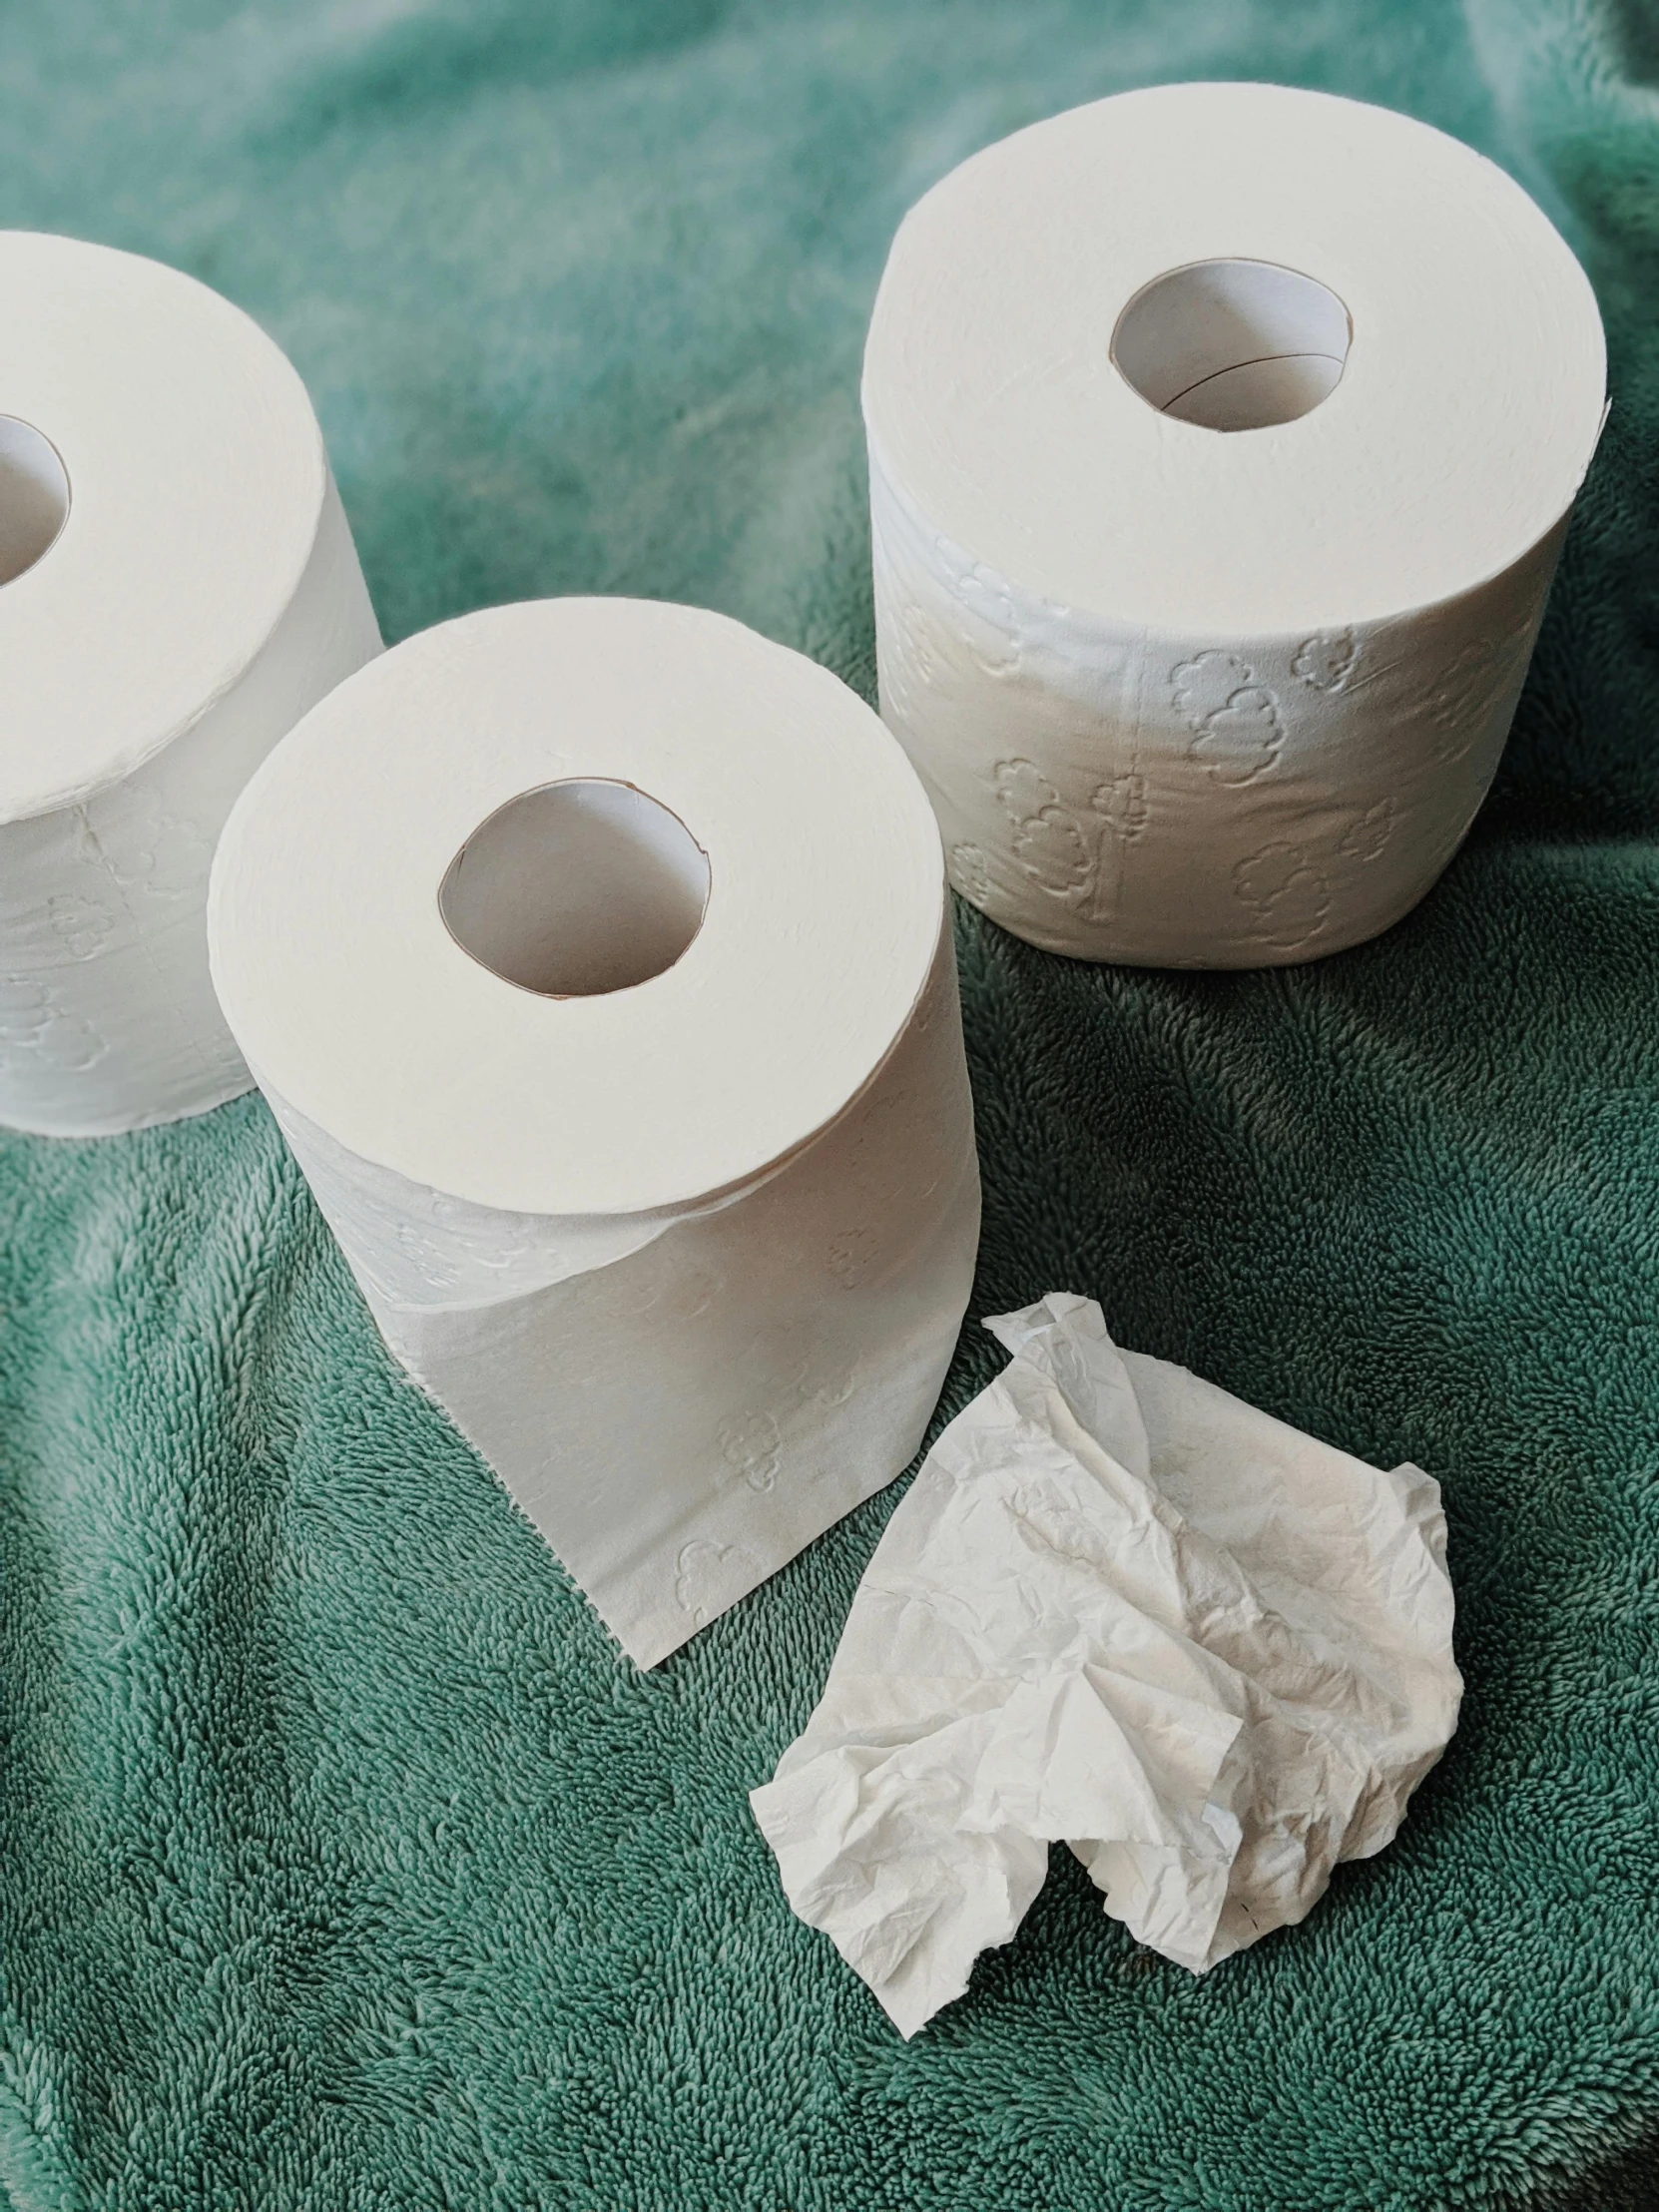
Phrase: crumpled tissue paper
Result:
[1120,1608]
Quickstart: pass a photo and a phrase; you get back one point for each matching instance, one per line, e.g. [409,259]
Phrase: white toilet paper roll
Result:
[594,956]
[1222,440]
[178,585]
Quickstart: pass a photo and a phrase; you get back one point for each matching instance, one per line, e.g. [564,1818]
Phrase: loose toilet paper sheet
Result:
[1121,1609]
[201,593]
[1193,696]
[685,1259]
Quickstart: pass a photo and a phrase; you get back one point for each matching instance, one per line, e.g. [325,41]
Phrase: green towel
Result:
[344,1862]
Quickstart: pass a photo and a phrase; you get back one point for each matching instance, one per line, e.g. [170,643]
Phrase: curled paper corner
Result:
[1121,1609]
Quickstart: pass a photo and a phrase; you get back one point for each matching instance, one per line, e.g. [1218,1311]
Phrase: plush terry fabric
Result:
[344,1862]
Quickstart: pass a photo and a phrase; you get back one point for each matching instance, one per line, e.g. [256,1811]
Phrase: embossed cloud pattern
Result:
[1246,807]
[1191,697]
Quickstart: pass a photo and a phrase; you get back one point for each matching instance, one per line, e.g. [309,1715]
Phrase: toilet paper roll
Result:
[1221,441]
[178,585]
[594,958]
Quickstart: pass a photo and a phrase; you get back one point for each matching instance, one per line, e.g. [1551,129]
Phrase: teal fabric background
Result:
[342,1861]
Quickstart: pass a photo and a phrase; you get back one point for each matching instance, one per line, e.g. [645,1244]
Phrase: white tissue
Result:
[201,593]
[1121,1609]
[1192,696]
[686,1258]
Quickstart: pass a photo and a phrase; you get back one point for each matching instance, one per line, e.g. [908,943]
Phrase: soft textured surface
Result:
[342,1859]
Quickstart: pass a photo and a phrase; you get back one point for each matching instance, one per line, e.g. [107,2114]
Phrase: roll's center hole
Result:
[1232,344]
[577,887]
[34,496]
